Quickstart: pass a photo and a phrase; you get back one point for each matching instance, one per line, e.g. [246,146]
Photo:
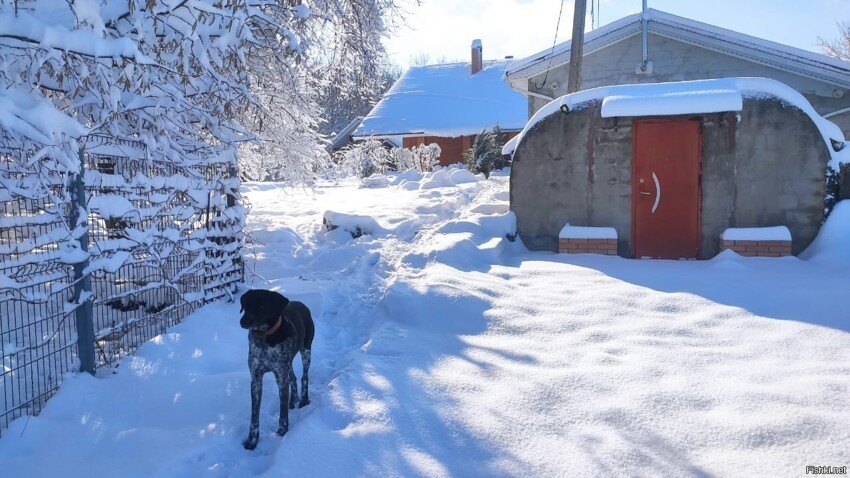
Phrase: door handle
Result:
[645,193]
[657,192]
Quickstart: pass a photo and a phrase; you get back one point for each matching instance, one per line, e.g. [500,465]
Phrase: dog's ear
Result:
[282,302]
[242,302]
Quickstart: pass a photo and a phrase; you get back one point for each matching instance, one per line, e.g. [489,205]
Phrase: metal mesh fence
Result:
[37,328]
[162,242]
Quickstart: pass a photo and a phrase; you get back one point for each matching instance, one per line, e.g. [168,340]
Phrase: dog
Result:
[278,329]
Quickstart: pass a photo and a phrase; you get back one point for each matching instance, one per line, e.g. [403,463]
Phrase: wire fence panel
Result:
[162,241]
[37,328]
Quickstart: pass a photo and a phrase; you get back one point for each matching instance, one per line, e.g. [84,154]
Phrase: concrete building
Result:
[671,166]
[448,105]
[666,48]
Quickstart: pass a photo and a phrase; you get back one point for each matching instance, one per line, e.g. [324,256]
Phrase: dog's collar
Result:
[271,330]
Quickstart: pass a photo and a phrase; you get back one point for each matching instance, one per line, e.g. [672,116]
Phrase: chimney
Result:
[476,56]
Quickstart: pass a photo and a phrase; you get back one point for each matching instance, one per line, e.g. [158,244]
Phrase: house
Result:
[673,167]
[659,47]
[448,105]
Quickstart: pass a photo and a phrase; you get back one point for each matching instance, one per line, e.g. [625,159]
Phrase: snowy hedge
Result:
[365,158]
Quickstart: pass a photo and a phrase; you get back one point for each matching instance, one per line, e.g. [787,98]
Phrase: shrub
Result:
[423,158]
[362,159]
[369,157]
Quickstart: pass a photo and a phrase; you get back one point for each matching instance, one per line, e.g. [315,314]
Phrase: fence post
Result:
[82,279]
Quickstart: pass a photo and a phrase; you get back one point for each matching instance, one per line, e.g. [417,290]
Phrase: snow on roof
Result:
[688,97]
[777,55]
[446,100]
[671,99]
[35,118]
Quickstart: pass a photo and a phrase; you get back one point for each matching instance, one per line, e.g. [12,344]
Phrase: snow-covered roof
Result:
[776,55]
[677,98]
[446,100]
[687,97]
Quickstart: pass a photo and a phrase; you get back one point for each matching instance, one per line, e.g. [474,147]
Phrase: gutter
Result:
[527,93]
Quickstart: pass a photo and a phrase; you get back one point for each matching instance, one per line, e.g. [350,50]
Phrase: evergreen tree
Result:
[485,156]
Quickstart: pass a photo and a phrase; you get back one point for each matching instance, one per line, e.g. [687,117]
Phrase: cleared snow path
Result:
[443,349]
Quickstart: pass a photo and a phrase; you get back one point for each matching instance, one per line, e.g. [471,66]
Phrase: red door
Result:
[665,189]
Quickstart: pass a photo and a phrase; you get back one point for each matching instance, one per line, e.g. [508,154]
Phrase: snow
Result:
[34,118]
[446,100]
[776,233]
[302,11]
[445,349]
[510,146]
[670,100]
[831,247]
[688,97]
[353,224]
[112,205]
[446,177]
[25,26]
[584,232]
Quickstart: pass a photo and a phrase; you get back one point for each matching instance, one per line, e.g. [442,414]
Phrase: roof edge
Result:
[805,63]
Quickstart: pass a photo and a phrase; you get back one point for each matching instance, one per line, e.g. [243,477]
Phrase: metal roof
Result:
[757,50]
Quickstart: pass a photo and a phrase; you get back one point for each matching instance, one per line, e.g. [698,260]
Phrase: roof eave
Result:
[595,40]
[423,133]
[689,31]
[783,61]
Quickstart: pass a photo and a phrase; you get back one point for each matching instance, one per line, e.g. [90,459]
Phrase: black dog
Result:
[279,328]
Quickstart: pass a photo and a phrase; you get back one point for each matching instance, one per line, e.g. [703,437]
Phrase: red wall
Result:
[451,149]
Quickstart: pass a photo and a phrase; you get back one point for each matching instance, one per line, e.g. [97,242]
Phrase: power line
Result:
[554,42]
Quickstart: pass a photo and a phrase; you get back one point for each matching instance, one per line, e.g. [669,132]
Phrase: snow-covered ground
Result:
[444,349]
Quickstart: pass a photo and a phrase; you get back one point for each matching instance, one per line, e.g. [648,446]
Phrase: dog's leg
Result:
[305,381]
[256,396]
[282,377]
[293,388]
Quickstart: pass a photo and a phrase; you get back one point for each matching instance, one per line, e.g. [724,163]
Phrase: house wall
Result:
[451,149]
[673,60]
[766,170]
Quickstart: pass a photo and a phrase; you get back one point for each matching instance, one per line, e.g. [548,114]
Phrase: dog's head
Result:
[261,309]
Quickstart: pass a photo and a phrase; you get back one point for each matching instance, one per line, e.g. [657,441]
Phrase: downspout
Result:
[645,46]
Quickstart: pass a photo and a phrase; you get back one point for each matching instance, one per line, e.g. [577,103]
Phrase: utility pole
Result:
[577,46]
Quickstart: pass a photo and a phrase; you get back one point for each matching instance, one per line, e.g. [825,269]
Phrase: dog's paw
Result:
[281,431]
[303,403]
[250,443]
[292,405]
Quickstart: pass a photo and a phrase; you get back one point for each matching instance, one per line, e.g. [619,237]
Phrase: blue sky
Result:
[444,29]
